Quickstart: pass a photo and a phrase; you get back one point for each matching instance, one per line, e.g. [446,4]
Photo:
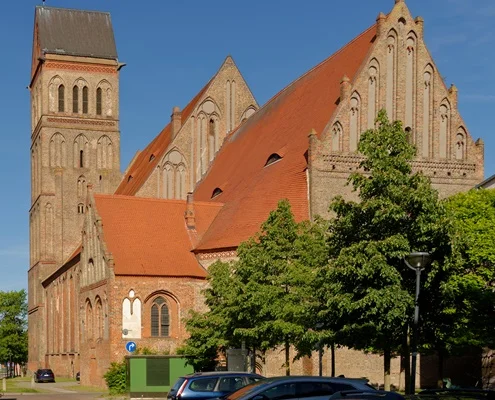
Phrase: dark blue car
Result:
[209,385]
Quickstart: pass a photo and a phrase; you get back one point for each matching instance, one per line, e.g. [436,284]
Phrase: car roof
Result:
[219,373]
[315,378]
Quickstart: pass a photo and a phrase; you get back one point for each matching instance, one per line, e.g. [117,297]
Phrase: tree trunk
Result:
[287,358]
[440,371]
[386,369]
[405,361]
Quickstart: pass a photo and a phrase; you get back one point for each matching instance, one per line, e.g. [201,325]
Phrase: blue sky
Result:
[172,48]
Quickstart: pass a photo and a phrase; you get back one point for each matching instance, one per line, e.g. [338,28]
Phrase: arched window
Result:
[85,100]
[80,208]
[75,99]
[81,158]
[160,319]
[61,98]
[98,101]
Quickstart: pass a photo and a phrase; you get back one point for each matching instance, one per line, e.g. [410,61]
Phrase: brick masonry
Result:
[76,301]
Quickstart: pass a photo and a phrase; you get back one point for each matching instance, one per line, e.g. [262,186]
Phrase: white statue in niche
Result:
[131,317]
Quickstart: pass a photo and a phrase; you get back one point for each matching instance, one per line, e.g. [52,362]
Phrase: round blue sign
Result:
[130,346]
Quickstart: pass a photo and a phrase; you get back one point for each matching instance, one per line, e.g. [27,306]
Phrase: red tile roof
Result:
[149,236]
[250,190]
[144,164]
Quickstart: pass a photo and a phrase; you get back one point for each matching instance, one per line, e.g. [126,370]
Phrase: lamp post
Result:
[417,261]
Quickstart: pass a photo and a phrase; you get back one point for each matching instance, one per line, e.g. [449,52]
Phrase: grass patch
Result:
[92,389]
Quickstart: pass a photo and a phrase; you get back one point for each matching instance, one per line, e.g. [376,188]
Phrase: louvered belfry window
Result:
[61,98]
[160,319]
[75,99]
[85,100]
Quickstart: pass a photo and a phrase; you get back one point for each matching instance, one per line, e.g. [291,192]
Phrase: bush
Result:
[116,378]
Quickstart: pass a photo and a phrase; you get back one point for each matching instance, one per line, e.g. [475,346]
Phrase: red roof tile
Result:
[149,236]
[250,190]
[144,164]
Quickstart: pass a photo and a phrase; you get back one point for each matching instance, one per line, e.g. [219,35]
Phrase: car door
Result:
[282,391]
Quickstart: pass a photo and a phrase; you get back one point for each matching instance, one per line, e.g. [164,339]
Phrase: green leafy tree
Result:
[369,290]
[466,316]
[277,270]
[264,299]
[13,334]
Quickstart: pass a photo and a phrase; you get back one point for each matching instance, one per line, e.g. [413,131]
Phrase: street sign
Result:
[130,347]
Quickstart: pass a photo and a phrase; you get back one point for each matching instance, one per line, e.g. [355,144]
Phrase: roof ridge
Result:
[72,9]
[154,199]
[341,49]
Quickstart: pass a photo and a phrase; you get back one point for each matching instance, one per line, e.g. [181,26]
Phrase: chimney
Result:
[176,119]
[189,214]
[380,22]
[345,88]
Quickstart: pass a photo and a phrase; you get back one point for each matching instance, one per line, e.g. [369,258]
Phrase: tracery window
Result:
[160,318]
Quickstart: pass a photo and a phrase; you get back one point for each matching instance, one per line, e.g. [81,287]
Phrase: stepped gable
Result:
[71,32]
[145,162]
[148,237]
[250,190]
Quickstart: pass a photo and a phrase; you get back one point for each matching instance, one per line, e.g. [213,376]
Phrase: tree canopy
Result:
[13,333]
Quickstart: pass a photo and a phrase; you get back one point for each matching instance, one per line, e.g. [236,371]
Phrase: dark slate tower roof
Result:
[75,32]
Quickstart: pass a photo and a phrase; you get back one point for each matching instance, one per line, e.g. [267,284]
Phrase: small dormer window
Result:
[129,178]
[152,157]
[216,192]
[272,159]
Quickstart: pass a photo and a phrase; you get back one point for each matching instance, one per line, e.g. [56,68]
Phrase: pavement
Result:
[49,390]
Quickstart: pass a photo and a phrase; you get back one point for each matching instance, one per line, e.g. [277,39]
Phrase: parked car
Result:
[300,387]
[44,375]
[209,385]
[78,376]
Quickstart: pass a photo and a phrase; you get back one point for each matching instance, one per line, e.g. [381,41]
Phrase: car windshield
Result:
[246,389]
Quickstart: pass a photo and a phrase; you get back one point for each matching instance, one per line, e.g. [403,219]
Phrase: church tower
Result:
[75,141]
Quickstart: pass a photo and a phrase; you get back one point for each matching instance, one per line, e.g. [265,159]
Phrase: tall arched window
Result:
[85,100]
[61,98]
[81,158]
[75,99]
[98,101]
[160,319]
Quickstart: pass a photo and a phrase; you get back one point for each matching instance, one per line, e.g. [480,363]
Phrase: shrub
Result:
[116,378]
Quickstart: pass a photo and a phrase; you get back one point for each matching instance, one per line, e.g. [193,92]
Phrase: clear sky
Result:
[172,48]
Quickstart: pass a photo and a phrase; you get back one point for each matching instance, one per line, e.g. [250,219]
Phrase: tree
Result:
[264,298]
[369,290]
[468,295]
[13,335]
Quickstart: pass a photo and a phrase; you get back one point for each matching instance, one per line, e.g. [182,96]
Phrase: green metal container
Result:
[150,376]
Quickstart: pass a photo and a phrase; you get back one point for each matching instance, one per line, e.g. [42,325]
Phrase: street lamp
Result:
[417,261]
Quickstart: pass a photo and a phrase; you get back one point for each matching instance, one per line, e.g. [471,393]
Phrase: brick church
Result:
[124,256]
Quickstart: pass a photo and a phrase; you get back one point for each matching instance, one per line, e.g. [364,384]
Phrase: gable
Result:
[250,188]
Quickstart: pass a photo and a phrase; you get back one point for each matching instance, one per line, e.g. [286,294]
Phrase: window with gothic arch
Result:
[98,101]
[61,98]
[75,99]
[85,100]
[160,318]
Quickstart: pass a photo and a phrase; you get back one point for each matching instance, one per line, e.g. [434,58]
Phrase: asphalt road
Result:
[54,391]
